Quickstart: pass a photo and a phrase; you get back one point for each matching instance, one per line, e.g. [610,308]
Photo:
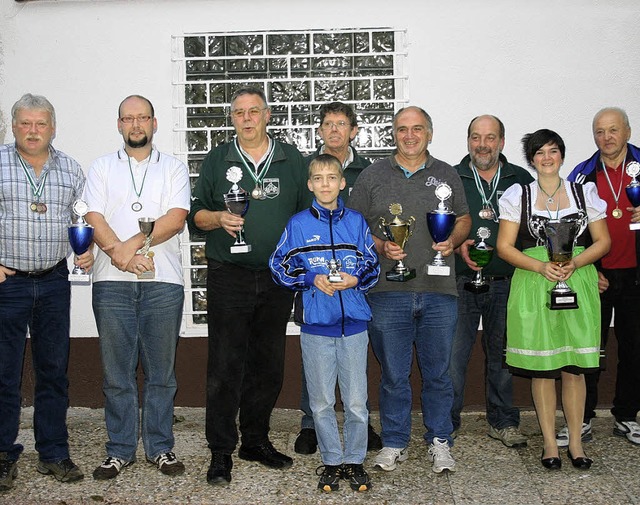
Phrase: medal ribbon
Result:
[486,202]
[257,179]
[144,177]
[616,197]
[37,190]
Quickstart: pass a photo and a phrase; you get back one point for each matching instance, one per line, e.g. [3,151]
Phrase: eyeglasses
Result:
[253,112]
[330,125]
[131,119]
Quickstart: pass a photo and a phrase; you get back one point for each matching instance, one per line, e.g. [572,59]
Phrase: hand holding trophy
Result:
[334,270]
[440,223]
[80,238]
[481,253]
[237,202]
[633,189]
[398,231]
[146,225]
[560,236]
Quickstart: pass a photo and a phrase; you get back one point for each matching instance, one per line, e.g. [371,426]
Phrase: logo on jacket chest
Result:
[271,186]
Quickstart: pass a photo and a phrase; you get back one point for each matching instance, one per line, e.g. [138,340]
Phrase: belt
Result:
[497,277]
[40,273]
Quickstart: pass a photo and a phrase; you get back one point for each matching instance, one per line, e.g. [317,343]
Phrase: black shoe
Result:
[357,477]
[8,472]
[330,477]
[374,442]
[554,463]
[220,468]
[265,454]
[307,442]
[582,463]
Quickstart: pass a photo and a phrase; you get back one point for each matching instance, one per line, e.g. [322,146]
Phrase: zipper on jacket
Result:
[333,253]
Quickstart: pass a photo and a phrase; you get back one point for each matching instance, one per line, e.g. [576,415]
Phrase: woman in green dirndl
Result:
[546,344]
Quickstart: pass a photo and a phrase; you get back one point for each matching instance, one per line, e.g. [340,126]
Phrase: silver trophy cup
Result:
[560,236]
[146,225]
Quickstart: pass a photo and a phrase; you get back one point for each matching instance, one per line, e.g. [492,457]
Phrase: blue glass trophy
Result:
[633,189]
[440,223]
[80,238]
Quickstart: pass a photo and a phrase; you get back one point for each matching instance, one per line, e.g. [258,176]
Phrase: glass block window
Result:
[298,71]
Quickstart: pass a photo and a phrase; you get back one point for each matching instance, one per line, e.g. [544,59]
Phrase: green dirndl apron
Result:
[540,339]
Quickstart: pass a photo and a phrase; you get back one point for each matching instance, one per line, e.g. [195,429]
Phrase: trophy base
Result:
[438,270]
[80,278]
[147,275]
[402,276]
[634,226]
[476,288]
[334,278]
[563,301]
[240,248]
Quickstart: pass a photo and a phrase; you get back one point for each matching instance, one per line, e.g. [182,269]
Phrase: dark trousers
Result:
[623,296]
[247,318]
[41,305]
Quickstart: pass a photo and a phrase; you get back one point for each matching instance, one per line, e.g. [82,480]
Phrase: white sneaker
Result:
[440,455]
[629,429]
[562,438]
[387,458]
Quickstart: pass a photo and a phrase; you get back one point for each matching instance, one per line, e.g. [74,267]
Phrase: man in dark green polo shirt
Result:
[485,174]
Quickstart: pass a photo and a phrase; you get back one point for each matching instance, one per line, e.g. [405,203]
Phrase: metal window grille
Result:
[298,71]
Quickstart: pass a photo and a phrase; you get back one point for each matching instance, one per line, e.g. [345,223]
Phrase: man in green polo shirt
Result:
[247,312]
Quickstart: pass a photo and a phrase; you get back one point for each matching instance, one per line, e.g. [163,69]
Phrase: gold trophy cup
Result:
[398,230]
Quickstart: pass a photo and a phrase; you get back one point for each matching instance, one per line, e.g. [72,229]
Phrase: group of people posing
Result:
[312,228]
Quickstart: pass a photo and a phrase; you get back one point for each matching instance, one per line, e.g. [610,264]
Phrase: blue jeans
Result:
[247,321]
[307,417]
[492,308]
[138,320]
[41,305]
[327,359]
[402,320]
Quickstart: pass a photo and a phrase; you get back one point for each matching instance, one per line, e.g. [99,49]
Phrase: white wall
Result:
[535,64]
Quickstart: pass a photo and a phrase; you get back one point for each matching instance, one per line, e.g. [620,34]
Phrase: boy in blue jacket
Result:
[327,253]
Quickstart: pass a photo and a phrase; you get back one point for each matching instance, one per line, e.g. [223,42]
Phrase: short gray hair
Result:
[426,115]
[617,110]
[29,101]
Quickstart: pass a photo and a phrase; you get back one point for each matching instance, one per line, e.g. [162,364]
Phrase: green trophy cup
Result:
[481,253]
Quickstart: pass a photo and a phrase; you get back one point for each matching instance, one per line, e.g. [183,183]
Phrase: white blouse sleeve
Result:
[510,204]
[596,206]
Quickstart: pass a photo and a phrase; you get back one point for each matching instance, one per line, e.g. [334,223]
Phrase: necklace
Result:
[550,199]
[550,196]
[617,212]
[137,206]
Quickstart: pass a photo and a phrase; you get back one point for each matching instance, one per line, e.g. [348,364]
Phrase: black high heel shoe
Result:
[582,463]
[554,463]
